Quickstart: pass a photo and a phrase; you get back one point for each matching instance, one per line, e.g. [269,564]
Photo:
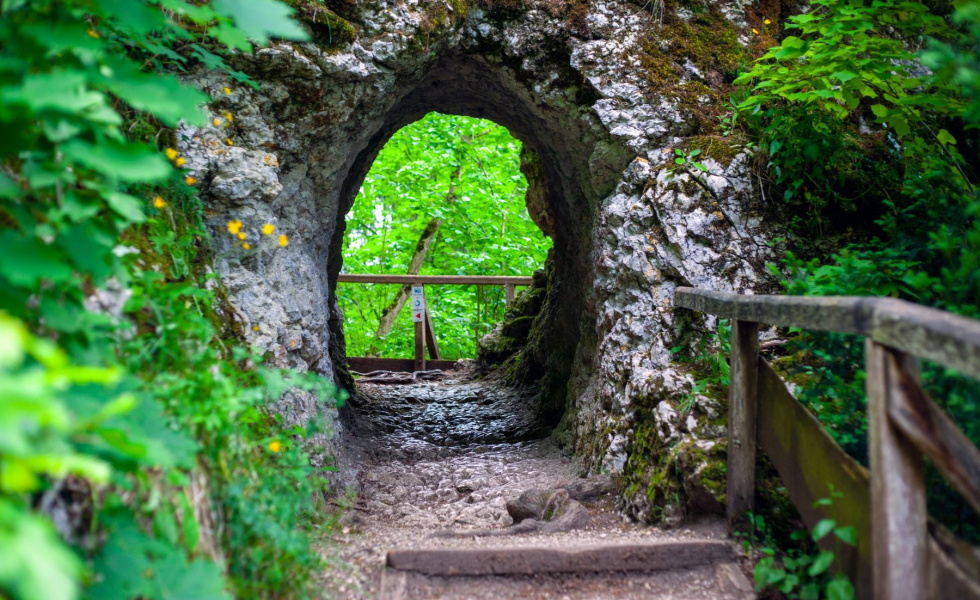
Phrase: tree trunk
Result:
[389,314]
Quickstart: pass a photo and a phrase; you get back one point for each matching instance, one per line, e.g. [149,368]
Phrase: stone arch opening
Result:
[448,195]
[473,86]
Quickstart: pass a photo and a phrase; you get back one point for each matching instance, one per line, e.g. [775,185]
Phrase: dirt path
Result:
[439,461]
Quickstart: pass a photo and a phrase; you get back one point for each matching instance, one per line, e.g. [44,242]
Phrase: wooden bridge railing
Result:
[896,557]
[425,335]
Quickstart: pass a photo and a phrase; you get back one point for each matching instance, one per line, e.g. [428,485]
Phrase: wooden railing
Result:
[895,557]
[425,334]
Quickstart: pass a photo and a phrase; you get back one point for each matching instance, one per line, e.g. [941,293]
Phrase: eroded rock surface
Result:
[603,93]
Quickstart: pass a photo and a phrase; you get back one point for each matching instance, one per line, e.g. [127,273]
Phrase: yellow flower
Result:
[255,328]
[93,34]
[755,31]
[229,116]
[247,246]
[158,202]
[180,161]
[283,240]
[228,91]
[241,235]
[190,180]
[275,446]
[234,227]
[216,122]
[229,142]
[268,228]
[767,22]
[171,153]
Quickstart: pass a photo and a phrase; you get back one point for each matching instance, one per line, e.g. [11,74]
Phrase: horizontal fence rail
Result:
[440,279]
[896,557]
[425,333]
[950,340]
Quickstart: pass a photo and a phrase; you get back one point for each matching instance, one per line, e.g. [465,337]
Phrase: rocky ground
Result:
[452,464]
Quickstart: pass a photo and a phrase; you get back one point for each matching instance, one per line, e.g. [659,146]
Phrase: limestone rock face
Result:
[602,92]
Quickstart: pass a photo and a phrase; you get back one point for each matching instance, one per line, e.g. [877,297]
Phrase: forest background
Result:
[456,180]
[863,118]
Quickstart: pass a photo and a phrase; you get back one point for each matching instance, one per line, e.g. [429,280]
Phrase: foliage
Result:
[827,101]
[869,146]
[800,570]
[464,172]
[710,362]
[146,397]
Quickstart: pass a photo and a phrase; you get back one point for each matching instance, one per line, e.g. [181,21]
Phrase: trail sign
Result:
[418,316]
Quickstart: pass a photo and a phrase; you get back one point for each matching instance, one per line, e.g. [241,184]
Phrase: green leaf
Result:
[848,535]
[844,76]
[699,166]
[35,260]
[840,589]
[946,137]
[136,17]
[879,110]
[822,528]
[261,19]
[680,161]
[162,96]
[118,160]
[126,206]
[821,564]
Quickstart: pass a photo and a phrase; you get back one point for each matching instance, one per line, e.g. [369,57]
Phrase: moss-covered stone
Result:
[326,27]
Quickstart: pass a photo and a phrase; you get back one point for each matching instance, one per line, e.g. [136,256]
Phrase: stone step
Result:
[681,569]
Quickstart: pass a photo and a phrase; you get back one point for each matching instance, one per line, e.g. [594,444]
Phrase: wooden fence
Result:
[896,556]
[425,334]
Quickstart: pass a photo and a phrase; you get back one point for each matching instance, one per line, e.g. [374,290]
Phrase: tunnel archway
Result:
[448,196]
[604,105]
[471,85]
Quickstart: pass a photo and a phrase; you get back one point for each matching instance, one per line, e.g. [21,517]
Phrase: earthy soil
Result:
[442,457]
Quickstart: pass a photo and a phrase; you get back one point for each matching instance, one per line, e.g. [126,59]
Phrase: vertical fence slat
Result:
[742,405]
[510,292]
[420,337]
[900,553]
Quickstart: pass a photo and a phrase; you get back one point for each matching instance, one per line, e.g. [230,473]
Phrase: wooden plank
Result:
[933,433]
[419,346]
[809,461]
[440,279]
[366,364]
[430,335]
[844,314]
[900,564]
[509,294]
[742,405]
[656,556]
[950,340]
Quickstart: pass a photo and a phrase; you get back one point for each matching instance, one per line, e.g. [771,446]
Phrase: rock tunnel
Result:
[469,85]
[577,90]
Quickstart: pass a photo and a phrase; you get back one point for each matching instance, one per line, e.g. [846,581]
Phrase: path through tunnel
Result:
[568,194]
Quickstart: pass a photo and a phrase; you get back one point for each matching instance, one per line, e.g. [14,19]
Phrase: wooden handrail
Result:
[440,279]
[950,340]
[904,423]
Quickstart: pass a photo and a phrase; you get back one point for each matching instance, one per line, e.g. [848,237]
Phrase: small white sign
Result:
[417,290]
[418,316]
[418,303]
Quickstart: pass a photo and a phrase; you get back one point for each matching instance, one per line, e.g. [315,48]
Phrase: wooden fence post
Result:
[420,340]
[743,394]
[509,293]
[900,551]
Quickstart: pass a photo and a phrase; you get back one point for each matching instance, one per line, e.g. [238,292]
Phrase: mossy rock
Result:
[327,28]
